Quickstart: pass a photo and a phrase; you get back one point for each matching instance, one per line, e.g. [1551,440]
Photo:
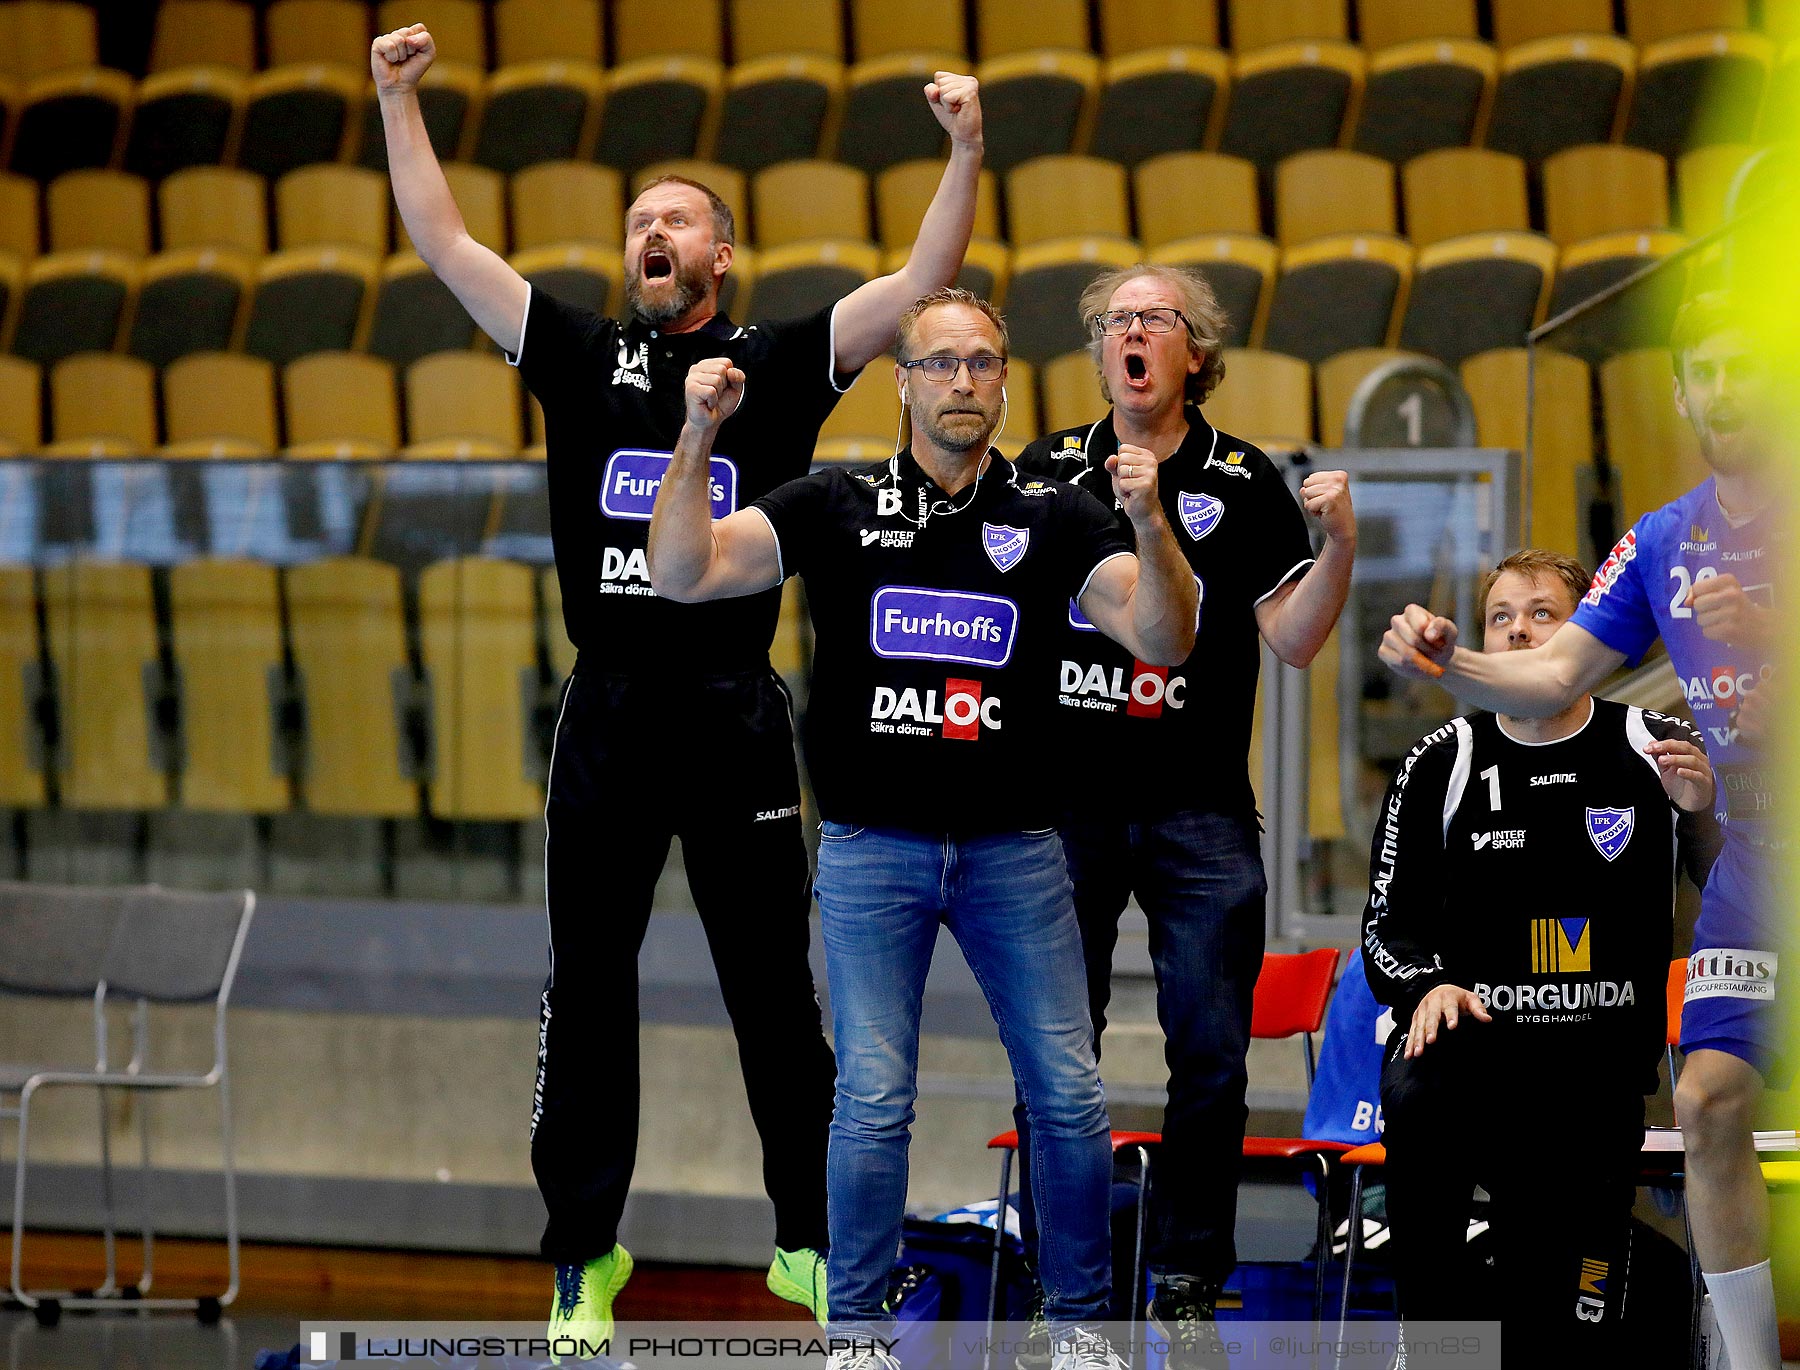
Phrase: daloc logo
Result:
[633,474]
[1004,545]
[1610,829]
[942,625]
[1200,514]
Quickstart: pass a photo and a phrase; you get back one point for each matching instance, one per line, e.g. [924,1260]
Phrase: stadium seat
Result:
[986,267]
[1652,21]
[1332,191]
[102,404]
[869,411]
[12,288]
[1183,194]
[71,119]
[107,210]
[1781,100]
[189,300]
[884,120]
[458,27]
[1525,21]
[547,31]
[1638,318]
[1265,397]
[1561,432]
[1509,273]
[801,201]
[220,398]
[72,302]
[1337,381]
[1312,84]
[1258,24]
[347,632]
[100,635]
[210,206]
[9,106]
[1066,197]
[297,115]
[480,194]
[329,205]
[775,110]
[1337,293]
[1020,422]
[654,28]
[1072,391]
[1034,104]
[1042,298]
[728,183]
[312,299]
[566,202]
[21,406]
[802,278]
[306,31]
[1653,451]
[19,231]
[1159,100]
[880,28]
[657,109]
[213,33]
[538,112]
[1423,95]
[21,669]
[1461,190]
[576,273]
[183,118]
[810,27]
[478,644]
[556,638]
[415,313]
[903,192]
[461,404]
[38,37]
[1128,26]
[450,99]
[1604,188]
[1240,267]
[1383,23]
[225,637]
[1556,93]
[1698,89]
[1703,179]
[1005,27]
[340,405]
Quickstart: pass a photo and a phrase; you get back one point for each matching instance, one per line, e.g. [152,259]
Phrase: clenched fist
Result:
[1726,613]
[715,388]
[956,101]
[1418,643]
[399,59]
[1326,496]
[1134,481]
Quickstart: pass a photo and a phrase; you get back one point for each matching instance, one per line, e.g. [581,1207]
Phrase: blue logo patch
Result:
[1004,545]
[1200,514]
[1610,830]
[942,625]
[628,488]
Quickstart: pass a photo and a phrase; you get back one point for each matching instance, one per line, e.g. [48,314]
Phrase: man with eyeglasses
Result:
[938,582]
[649,670]
[1183,836]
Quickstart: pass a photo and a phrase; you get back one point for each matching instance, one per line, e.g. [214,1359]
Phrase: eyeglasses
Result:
[1116,321]
[984,366]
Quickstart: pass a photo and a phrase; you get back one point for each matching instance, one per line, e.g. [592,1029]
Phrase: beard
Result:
[958,438]
[688,283]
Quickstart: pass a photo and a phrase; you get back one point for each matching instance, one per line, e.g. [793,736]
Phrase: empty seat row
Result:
[1693,90]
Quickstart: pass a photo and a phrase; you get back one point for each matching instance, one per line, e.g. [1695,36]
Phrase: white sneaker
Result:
[1082,1348]
[865,1357]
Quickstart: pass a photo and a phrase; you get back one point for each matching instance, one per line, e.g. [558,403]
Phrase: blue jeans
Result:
[1198,876]
[1006,899]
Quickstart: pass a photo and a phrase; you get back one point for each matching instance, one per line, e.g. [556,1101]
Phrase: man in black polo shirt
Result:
[1183,836]
[651,674]
[937,580]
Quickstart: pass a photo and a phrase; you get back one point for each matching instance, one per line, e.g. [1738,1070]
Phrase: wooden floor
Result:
[334,1282]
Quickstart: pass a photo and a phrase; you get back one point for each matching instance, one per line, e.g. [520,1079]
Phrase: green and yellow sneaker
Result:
[799,1277]
[582,1310]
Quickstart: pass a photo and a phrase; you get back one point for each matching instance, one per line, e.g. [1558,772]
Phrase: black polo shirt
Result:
[936,619]
[1242,531]
[613,408]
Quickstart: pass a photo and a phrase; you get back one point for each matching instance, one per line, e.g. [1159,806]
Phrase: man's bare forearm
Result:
[682,548]
[1165,600]
[1304,619]
[1533,684]
[423,195]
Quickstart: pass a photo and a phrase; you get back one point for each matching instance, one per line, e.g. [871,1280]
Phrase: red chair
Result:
[1292,991]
